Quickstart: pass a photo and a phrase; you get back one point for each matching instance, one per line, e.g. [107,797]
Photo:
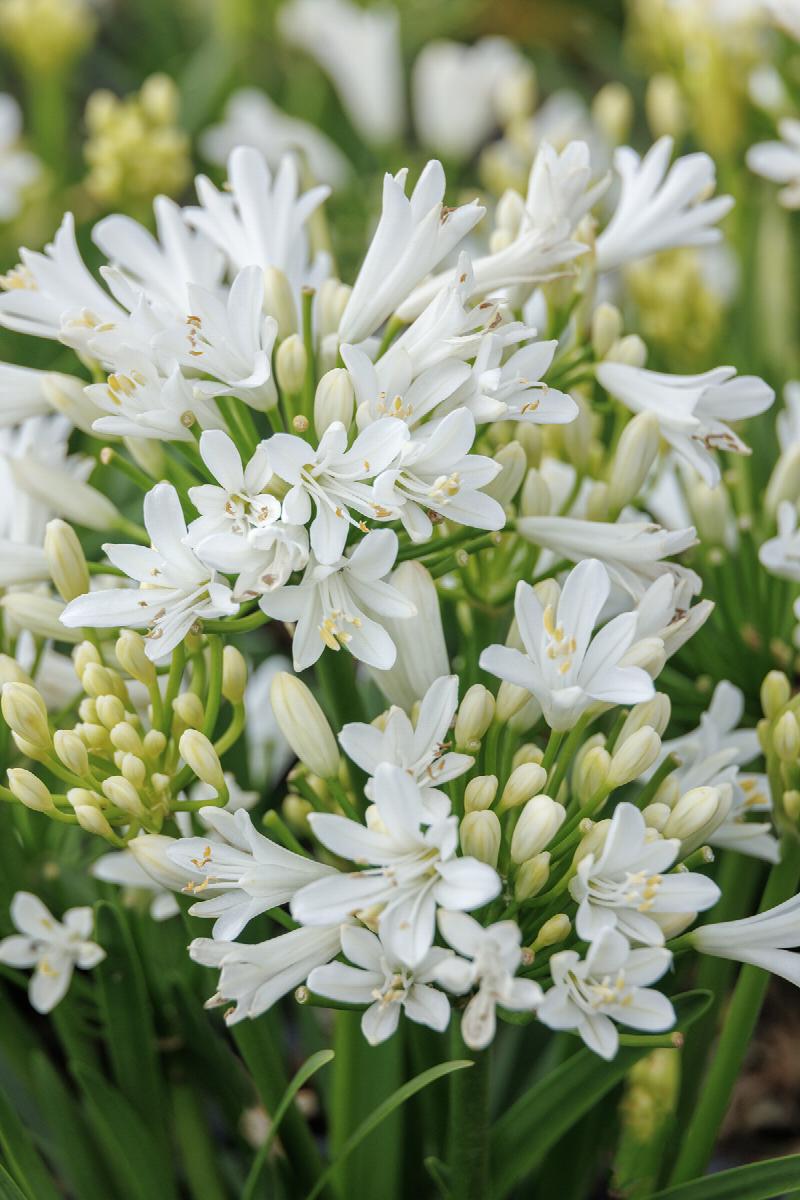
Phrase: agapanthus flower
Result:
[54,948]
[779,161]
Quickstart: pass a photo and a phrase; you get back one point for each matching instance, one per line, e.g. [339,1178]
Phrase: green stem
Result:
[214,686]
[740,1023]
[469,1122]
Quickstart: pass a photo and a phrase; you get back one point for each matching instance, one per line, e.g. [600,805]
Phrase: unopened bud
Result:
[66,560]
[304,725]
[784,482]
[655,712]
[791,804]
[532,876]
[199,754]
[334,400]
[635,756]
[480,793]
[188,710]
[593,840]
[295,813]
[711,510]
[97,680]
[291,362]
[592,770]
[480,836]
[123,794]
[510,701]
[697,814]
[131,656]
[12,672]
[153,743]
[234,675]
[63,493]
[93,821]
[612,111]
[25,713]
[39,614]
[133,769]
[776,692]
[553,931]
[279,301]
[629,350]
[513,467]
[528,752]
[95,736]
[656,816]
[71,750]
[786,737]
[664,106]
[539,822]
[30,790]
[110,710]
[124,737]
[525,781]
[636,452]
[332,298]
[475,715]
[535,500]
[606,328]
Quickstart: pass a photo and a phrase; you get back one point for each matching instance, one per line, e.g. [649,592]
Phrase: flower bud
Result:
[95,736]
[199,754]
[93,821]
[475,715]
[131,656]
[189,711]
[133,769]
[234,675]
[30,790]
[784,482]
[304,725]
[96,680]
[528,752]
[154,743]
[66,560]
[655,712]
[786,737]
[480,836]
[291,362]
[480,793]
[593,840]
[532,876]
[295,811]
[535,500]
[791,804]
[515,95]
[635,454]
[513,466]
[606,328]
[776,692]
[664,106]
[124,737]
[525,781]
[61,492]
[590,776]
[656,816]
[612,111]
[123,794]
[510,701]
[12,672]
[697,814]
[334,400]
[150,852]
[669,791]
[539,822]
[40,615]
[71,750]
[635,756]
[332,297]
[556,930]
[630,350]
[711,510]
[279,301]
[25,713]
[110,710]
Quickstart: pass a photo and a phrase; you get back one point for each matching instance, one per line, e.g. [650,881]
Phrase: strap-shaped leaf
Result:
[757,1181]
[8,1189]
[78,1157]
[21,1156]
[525,1133]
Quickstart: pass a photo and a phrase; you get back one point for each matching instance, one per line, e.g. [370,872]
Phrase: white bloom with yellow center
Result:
[54,948]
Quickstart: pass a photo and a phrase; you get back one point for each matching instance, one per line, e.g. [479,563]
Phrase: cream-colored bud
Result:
[515,94]
[279,301]
[199,754]
[791,803]
[189,711]
[590,777]
[67,395]
[332,298]
[480,836]
[712,512]
[234,675]
[475,715]
[291,362]
[539,822]
[593,840]
[697,814]
[30,790]
[131,656]
[649,654]
[525,781]
[776,692]
[295,811]
[304,725]
[39,614]
[535,500]
[12,672]
[334,400]
[784,482]
[97,680]
[635,756]
[665,106]
[154,743]
[84,654]
[656,816]
[528,752]
[513,466]
[532,441]
[510,700]
[71,750]
[636,452]
[669,791]
[125,737]
[123,794]
[25,713]
[532,876]
[786,737]
[480,793]
[654,712]
[93,821]
[612,110]
[95,736]
[87,710]
[556,930]
[526,717]
[85,797]
[66,560]
[133,769]
[110,710]
[606,328]
[630,350]
[65,494]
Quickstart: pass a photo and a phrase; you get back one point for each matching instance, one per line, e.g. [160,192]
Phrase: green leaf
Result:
[384,1110]
[757,1181]
[126,1141]
[8,1189]
[77,1158]
[309,1068]
[528,1129]
[21,1156]
[440,1174]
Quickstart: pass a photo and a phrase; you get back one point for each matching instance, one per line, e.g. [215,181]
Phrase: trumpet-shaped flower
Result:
[140,402]
[387,986]
[175,588]
[239,502]
[765,940]
[486,959]
[410,868]
[54,948]
[564,666]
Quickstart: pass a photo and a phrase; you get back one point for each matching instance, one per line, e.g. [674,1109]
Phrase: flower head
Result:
[53,947]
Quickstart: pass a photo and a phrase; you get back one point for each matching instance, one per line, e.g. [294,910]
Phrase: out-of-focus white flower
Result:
[419,638]
[122,868]
[563,666]
[268,753]
[779,161]
[785,14]
[359,50]
[692,410]
[388,987]
[659,206]
[53,947]
[252,119]
[18,168]
[781,554]
[609,985]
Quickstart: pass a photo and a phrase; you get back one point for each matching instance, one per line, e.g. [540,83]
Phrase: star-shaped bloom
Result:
[54,948]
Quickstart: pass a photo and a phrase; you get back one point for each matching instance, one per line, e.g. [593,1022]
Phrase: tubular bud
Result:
[635,756]
[131,656]
[532,876]
[480,836]
[334,400]
[480,793]
[199,754]
[475,715]
[71,750]
[66,560]
[30,790]
[525,781]
[25,713]
[539,822]
[279,301]
[304,725]
[234,675]
[291,362]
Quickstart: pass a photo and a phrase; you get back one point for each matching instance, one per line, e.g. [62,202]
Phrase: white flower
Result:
[240,502]
[256,976]
[52,947]
[781,554]
[334,604]
[419,638]
[435,473]
[764,940]
[422,750]
[563,666]
[785,14]
[18,168]
[608,985]
[262,557]
[659,206]
[242,872]
[692,410]
[413,235]
[122,868]
[359,49]
[387,986]
[175,588]
[491,956]
[787,422]
[333,477]
[455,90]
[142,403]
[780,161]
[252,119]
[514,390]
[40,446]
[411,868]
[414,379]
[619,887]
